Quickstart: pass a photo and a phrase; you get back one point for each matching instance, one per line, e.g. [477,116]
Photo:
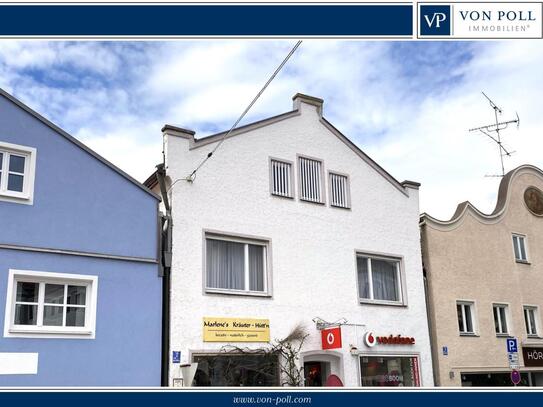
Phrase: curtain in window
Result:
[363,281]
[256,268]
[384,276]
[225,264]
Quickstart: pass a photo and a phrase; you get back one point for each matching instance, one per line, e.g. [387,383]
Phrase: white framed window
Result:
[311,180]
[44,304]
[501,316]
[531,320]
[281,178]
[236,265]
[17,171]
[340,194]
[379,279]
[465,311]
[519,247]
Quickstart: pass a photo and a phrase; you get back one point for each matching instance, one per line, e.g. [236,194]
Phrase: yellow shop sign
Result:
[236,330]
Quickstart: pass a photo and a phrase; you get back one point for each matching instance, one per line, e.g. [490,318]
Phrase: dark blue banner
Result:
[324,398]
[311,20]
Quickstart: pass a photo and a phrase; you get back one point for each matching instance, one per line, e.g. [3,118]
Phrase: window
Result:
[379,279]
[255,369]
[17,165]
[389,371]
[500,319]
[339,190]
[530,319]
[519,246]
[281,178]
[311,180]
[50,303]
[236,265]
[465,313]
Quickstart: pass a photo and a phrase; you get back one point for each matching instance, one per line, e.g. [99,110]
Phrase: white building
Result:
[290,223]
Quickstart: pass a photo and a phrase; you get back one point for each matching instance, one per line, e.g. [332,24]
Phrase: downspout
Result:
[166,264]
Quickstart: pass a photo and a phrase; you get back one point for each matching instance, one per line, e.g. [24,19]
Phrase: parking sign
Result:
[512,345]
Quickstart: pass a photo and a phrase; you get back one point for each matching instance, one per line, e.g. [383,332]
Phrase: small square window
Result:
[50,304]
[530,321]
[17,167]
[465,312]
[236,265]
[281,178]
[379,279]
[519,247]
[500,319]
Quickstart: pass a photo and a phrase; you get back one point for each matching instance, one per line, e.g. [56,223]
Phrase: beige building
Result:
[485,285]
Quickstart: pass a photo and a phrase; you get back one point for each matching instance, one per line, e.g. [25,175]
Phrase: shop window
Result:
[379,279]
[17,167]
[53,304]
[530,320]
[236,265]
[254,370]
[466,321]
[519,246]
[281,178]
[389,371]
[500,319]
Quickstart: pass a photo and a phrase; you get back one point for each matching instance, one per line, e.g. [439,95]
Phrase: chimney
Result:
[300,98]
[169,130]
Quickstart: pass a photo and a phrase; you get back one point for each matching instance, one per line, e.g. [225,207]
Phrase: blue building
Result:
[80,283]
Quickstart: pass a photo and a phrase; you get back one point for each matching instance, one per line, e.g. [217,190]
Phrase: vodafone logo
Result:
[331,338]
[369,339]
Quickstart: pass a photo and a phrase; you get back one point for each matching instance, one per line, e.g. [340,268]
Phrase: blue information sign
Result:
[512,345]
[176,356]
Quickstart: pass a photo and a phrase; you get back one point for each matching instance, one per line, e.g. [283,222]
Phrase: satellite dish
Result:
[333,381]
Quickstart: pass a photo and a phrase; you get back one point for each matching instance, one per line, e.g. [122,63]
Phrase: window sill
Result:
[523,262]
[312,202]
[281,196]
[348,208]
[379,302]
[469,334]
[237,293]
[16,198]
[534,337]
[504,335]
[49,333]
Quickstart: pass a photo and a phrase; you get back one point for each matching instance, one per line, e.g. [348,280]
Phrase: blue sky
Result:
[407,104]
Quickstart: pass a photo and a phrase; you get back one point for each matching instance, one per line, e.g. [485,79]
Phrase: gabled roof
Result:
[466,207]
[196,143]
[76,142]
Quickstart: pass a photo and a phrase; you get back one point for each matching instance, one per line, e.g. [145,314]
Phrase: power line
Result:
[192,176]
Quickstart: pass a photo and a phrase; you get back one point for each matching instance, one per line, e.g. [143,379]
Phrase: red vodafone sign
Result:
[331,338]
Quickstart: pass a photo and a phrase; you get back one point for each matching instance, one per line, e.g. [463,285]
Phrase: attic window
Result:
[281,178]
[311,180]
[17,164]
[339,190]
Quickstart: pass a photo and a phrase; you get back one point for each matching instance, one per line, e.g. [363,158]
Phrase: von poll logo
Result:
[435,20]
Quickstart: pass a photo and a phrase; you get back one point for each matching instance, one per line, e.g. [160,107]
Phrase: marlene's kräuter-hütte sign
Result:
[236,330]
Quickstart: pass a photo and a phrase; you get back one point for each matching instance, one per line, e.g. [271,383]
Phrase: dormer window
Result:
[17,166]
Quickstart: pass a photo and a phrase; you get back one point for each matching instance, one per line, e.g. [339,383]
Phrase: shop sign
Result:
[532,356]
[236,330]
[331,338]
[370,339]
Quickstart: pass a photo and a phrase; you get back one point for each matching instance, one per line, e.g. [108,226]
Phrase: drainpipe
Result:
[166,264]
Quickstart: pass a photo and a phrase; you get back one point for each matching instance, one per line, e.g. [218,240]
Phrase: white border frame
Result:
[27,196]
[88,332]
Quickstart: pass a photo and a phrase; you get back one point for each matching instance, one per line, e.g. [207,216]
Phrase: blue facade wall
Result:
[126,349]
[81,204]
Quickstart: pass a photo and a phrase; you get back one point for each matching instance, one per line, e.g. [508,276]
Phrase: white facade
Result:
[312,248]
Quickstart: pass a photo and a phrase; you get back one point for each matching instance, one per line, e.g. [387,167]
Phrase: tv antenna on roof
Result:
[496,128]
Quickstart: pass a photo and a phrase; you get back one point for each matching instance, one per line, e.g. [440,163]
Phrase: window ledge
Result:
[49,333]
[238,293]
[377,302]
[15,197]
[534,337]
[312,202]
[504,335]
[282,196]
[469,334]
[523,262]
[348,208]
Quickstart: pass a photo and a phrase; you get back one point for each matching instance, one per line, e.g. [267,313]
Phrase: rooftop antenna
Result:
[496,128]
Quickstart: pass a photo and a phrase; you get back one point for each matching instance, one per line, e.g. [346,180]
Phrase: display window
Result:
[393,371]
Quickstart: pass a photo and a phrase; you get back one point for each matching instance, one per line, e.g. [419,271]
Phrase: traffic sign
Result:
[512,345]
[515,377]
[513,360]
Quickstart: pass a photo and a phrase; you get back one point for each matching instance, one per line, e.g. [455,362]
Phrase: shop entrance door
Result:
[315,373]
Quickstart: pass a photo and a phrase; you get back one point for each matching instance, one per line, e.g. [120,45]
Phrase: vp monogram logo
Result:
[434,19]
